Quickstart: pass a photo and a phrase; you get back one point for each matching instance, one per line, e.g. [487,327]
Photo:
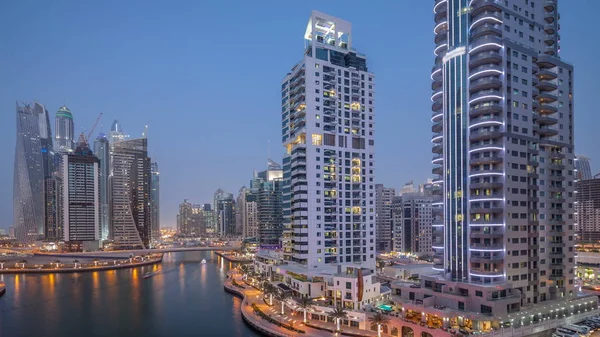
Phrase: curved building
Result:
[64,129]
[33,166]
[503,147]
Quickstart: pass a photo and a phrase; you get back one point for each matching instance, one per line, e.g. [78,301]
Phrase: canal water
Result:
[185,298]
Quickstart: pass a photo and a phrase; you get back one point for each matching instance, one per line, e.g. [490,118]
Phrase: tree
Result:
[338,314]
[305,304]
[282,296]
[269,289]
[244,269]
[380,320]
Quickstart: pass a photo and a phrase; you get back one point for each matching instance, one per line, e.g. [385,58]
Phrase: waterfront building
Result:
[191,221]
[247,213]
[224,213]
[81,202]
[583,169]
[503,156]
[328,134]
[267,187]
[587,210]
[155,202]
[383,217]
[102,151]
[130,181]
[32,173]
[412,218]
[65,130]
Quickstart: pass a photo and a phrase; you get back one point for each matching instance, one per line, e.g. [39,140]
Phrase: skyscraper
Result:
[102,151]
[587,210]
[247,213]
[130,181]
[33,167]
[64,129]
[266,186]
[224,213]
[583,170]
[328,134]
[81,199]
[412,218]
[155,201]
[503,155]
[383,217]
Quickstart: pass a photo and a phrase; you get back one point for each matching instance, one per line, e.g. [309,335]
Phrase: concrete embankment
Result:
[81,269]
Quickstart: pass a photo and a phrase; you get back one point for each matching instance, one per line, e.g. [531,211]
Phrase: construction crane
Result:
[93,127]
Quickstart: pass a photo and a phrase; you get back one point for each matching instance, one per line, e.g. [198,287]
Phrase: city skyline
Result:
[137,107]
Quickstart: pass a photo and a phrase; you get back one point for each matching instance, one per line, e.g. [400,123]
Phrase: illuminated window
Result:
[459,217]
[458,194]
[317,139]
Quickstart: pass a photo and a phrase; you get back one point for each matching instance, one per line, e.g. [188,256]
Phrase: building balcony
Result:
[439,38]
[557,244]
[556,189]
[550,50]
[437,127]
[556,155]
[550,39]
[487,235]
[549,28]
[544,120]
[487,246]
[436,84]
[478,6]
[486,185]
[490,57]
[545,131]
[488,272]
[546,85]
[485,109]
[556,166]
[482,173]
[549,5]
[547,97]
[550,17]
[484,71]
[483,134]
[557,210]
[437,106]
[485,43]
[485,95]
[547,108]
[437,149]
[437,170]
[477,257]
[441,28]
[486,83]
[486,160]
[487,146]
[491,196]
[486,29]
[486,210]
[440,5]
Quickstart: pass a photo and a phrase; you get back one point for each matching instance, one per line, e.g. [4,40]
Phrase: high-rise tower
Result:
[102,151]
[32,173]
[130,181]
[155,201]
[64,129]
[328,133]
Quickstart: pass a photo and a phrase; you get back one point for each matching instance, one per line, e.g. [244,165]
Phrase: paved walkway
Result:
[255,296]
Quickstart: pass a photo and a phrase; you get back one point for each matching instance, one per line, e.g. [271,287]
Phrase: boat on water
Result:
[203,261]
[150,274]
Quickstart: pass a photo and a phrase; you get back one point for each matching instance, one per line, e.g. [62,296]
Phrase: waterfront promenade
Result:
[75,266]
[234,257]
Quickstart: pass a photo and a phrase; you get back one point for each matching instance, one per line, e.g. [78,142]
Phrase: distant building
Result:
[65,130]
[267,186]
[583,169]
[587,210]
[412,217]
[102,151]
[247,213]
[81,199]
[155,201]
[11,232]
[383,217]
[33,167]
[130,182]
[224,213]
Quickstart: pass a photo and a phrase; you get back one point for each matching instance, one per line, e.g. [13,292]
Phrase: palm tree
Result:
[23,263]
[244,269]
[338,314]
[269,289]
[56,262]
[96,262]
[305,304]
[380,320]
[75,262]
[282,296]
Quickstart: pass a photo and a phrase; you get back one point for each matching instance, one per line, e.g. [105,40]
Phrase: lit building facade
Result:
[224,213]
[587,211]
[130,181]
[247,213]
[102,151]
[412,217]
[81,199]
[328,134]
[32,172]
[503,156]
[583,169]
[155,201]
[383,222]
[65,130]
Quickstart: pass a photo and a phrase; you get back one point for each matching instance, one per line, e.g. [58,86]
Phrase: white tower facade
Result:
[328,134]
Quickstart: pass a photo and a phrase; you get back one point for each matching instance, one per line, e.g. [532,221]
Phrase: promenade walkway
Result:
[254,296]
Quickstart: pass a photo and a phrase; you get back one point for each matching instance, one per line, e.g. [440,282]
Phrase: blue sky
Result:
[205,77]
